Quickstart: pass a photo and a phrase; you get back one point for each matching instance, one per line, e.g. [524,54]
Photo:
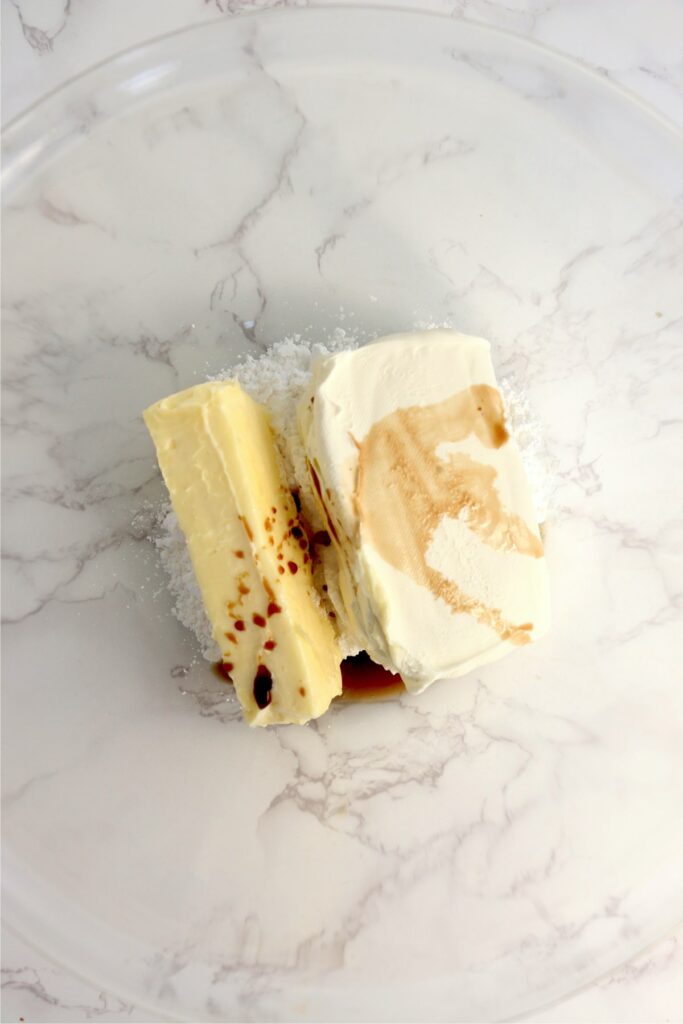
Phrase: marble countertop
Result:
[637,43]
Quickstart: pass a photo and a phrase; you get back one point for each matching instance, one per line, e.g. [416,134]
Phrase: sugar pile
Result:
[278,379]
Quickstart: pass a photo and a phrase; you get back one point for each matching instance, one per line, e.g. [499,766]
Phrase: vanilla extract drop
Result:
[263,687]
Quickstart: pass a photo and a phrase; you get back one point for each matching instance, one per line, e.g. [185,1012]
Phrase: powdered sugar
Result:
[188,606]
[278,379]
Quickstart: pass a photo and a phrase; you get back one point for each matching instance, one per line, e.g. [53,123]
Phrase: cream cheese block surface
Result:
[441,564]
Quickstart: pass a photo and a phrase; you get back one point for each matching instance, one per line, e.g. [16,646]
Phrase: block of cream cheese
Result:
[441,564]
[216,452]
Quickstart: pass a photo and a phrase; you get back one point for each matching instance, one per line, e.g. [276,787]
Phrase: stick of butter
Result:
[250,554]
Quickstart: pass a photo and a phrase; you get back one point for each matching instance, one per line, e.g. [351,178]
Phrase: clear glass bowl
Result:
[467,854]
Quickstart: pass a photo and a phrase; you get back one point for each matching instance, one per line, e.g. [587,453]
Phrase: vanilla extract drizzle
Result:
[426,489]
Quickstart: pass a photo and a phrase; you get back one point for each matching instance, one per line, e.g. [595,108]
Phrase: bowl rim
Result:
[20,120]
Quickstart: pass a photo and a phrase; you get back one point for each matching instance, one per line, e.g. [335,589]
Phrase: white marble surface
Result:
[637,44]
[634,42]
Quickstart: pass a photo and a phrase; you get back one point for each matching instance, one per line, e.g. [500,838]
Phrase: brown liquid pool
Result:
[362,679]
